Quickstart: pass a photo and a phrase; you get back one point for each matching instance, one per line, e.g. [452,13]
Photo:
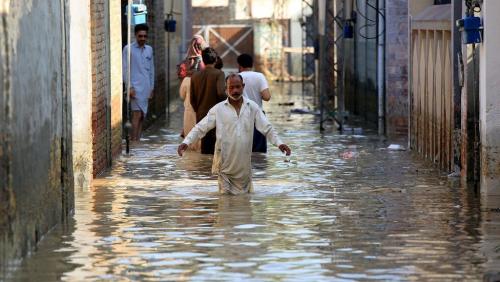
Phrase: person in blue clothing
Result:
[142,77]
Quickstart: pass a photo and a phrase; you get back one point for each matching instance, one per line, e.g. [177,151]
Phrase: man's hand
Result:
[284,148]
[181,149]
[132,93]
[265,94]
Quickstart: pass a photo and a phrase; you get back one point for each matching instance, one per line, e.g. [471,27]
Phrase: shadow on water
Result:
[343,208]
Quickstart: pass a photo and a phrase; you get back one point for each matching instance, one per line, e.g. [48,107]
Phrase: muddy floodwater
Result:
[343,208]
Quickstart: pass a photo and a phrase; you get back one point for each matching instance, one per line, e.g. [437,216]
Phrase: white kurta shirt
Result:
[255,83]
[142,73]
[233,148]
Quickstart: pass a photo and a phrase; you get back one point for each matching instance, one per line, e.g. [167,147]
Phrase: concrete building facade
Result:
[489,97]
[36,185]
[396,67]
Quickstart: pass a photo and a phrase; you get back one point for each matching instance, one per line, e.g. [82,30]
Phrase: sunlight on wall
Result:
[290,9]
[4,7]
[294,9]
[210,3]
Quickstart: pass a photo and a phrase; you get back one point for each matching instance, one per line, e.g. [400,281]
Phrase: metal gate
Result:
[229,41]
[431,102]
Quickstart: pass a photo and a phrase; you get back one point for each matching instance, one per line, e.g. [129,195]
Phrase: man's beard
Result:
[234,98]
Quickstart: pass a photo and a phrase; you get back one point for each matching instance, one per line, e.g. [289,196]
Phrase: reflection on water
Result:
[342,208]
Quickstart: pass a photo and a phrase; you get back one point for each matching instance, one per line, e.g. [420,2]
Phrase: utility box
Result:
[470,27]
[170,24]
[139,13]
[348,30]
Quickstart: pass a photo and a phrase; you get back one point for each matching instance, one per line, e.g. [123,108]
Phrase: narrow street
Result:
[344,208]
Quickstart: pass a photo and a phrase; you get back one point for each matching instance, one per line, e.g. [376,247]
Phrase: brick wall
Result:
[156,38]
[100,84]
[396,65]
[106,82]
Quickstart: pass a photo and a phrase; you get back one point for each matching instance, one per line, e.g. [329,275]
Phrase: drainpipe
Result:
[320,69]
[381,65]
[170,17]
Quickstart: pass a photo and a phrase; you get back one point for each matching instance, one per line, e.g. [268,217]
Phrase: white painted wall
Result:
[81,91]
[210,3]
[489,97]
[242,10]
[290,9]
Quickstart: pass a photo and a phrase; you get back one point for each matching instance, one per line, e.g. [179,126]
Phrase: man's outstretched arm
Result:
[198,131]
[263,125]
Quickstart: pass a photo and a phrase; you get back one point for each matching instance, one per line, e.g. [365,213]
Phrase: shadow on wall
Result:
[7,201]
[361,98]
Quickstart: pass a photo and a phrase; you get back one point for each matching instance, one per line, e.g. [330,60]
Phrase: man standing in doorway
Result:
[256,89]
[142,77]
[207,89]
[234,120]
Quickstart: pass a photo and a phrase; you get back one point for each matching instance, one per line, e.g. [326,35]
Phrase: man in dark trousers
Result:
[207,89]
[257,90]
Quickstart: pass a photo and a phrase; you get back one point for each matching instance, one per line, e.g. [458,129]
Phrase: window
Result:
[441,2]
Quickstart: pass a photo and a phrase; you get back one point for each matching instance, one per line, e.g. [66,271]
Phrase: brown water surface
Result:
[344,208]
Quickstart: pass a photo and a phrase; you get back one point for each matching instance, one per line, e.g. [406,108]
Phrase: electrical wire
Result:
[473,6]
[361,14]
[373,21]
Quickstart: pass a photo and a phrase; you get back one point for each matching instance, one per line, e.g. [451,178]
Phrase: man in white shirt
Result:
[142,77]
[257,90]
[234,120]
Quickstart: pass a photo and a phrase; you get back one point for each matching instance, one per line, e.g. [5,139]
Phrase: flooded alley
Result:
[343,209]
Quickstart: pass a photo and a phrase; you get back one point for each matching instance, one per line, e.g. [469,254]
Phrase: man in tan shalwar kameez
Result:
[234,120]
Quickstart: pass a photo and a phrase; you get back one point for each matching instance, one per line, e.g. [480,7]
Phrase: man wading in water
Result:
[234,120]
